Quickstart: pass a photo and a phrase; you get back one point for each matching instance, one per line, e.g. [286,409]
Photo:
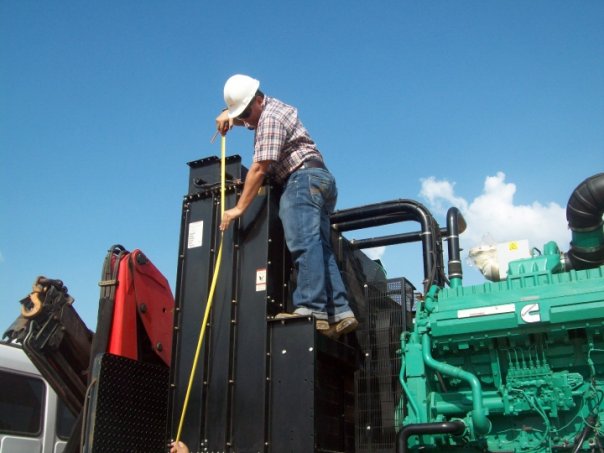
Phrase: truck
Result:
[510,365]
[32,417]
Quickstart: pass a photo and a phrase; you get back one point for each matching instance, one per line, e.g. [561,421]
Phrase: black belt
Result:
[312,163]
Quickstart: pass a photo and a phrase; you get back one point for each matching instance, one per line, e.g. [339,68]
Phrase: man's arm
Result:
[224,123]
[253,182]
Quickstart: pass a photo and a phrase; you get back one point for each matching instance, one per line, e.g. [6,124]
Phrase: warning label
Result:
[261,280]
[195,237]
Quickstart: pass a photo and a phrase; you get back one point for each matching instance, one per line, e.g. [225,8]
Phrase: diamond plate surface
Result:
[129,407]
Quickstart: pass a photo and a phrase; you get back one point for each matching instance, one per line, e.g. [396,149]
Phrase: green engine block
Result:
[520,362]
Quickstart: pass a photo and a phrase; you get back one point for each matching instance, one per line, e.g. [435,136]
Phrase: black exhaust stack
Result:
[584,215]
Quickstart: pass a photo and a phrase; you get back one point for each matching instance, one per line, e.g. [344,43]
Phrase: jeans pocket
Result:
[323,190]
[320,186]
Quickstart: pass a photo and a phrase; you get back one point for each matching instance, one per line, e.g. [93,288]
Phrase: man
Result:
[284,150]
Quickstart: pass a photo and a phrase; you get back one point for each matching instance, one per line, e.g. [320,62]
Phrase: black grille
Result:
[131,406]
[378,392]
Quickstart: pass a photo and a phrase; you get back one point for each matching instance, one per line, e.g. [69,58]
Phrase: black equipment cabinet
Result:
[266,385]
[227,408]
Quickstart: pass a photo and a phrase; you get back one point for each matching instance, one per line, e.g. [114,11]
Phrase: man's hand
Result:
[228,216]
[223,122]
[178,447]
[253,182]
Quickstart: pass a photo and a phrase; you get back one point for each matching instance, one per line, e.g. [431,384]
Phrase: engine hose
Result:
[211,293]
[456,428]
[482,425]
[584,215]
[408,394]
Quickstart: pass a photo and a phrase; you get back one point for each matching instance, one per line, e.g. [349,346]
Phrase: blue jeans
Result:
[309,197]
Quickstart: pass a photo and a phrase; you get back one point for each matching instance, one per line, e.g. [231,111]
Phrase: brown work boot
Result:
[342,327]
[287,315]
[320,324]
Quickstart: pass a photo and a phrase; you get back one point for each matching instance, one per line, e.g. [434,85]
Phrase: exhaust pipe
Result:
[456,225]
[584,215]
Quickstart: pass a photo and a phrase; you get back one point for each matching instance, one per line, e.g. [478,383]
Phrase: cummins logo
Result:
[530,313]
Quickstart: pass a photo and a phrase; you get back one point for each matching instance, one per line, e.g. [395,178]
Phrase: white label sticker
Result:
[261,280]
[195,238]
[486,311]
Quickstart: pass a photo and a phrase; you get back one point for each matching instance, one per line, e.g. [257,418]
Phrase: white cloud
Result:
[375,253]
[441,195]
[492,216]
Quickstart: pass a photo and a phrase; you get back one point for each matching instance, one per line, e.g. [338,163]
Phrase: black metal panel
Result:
[258,282]
[128,404]
[194,275]
[292,384]
[219,349]
[311,390]
[227,406]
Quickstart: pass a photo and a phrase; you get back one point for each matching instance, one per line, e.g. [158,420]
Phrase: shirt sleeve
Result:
[270,139]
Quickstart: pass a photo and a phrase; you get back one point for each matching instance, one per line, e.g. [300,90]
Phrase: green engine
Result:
[515,365]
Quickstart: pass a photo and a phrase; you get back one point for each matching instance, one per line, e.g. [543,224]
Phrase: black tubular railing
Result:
[389,212]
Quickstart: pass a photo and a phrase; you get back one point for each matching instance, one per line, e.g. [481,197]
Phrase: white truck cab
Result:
[32,418]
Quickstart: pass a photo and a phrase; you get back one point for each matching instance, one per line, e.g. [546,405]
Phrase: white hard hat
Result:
[238,92]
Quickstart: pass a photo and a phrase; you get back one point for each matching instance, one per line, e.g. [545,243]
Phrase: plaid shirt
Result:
[280,137]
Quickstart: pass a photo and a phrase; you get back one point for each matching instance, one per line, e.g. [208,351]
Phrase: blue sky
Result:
[494,106]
